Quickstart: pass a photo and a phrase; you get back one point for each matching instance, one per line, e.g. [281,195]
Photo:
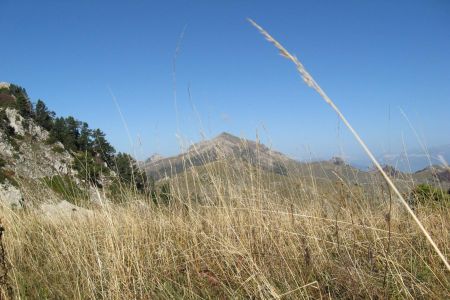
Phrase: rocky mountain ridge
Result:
[226,147]
[230,149]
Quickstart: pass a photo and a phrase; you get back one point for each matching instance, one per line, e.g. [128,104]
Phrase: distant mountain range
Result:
[419,159]
[410,161]
[234,150]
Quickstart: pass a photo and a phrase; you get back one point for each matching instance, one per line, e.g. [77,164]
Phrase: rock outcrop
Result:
[10,195]
[64,209]
[26,154]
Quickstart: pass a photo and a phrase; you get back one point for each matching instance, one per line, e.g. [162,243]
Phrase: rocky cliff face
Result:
[25,154]
[59,155]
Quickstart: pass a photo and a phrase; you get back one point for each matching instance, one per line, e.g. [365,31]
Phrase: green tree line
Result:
[94,155]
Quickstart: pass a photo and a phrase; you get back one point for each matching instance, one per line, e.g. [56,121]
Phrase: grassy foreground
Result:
[230,236]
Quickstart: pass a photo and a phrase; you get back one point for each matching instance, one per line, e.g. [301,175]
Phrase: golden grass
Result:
[230,240]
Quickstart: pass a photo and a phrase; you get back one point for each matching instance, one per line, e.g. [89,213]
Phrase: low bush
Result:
[57,149]
[67,188]
[424,193]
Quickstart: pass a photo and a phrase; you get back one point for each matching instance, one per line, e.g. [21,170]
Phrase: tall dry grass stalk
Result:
[309,80]
[227,231]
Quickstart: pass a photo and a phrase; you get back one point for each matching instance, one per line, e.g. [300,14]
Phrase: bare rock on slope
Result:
[338,161]
[154,158]
[5,85]
[28,154]
[64,209]
[444,175]
[10,195]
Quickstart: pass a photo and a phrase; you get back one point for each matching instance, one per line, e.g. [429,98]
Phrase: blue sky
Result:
[372,57]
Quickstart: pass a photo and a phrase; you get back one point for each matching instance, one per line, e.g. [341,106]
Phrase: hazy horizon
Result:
[407,160]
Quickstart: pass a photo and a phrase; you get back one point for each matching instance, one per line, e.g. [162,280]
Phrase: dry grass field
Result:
[230,235]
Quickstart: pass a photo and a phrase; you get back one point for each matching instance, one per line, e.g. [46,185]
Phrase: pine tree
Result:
[84,139]
[71,133]
[17,91]
[102,147]
[43,116]
[58,131]
[24,106]
[130,173]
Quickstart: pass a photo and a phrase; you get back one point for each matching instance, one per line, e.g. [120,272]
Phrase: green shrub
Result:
[426,194]
[130,174]
[88,168]
[57,149]
[162,194]
[67,188]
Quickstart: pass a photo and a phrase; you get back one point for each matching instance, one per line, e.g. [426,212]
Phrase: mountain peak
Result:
[225,146]
[155,157]
[227,136]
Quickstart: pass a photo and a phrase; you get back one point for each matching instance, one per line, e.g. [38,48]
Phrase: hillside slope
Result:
[231,151]
[223,147]
[36,147]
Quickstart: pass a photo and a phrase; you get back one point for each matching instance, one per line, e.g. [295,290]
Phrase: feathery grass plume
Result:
[309,80]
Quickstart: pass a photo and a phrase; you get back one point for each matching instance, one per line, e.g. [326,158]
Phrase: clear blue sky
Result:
[371,57]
